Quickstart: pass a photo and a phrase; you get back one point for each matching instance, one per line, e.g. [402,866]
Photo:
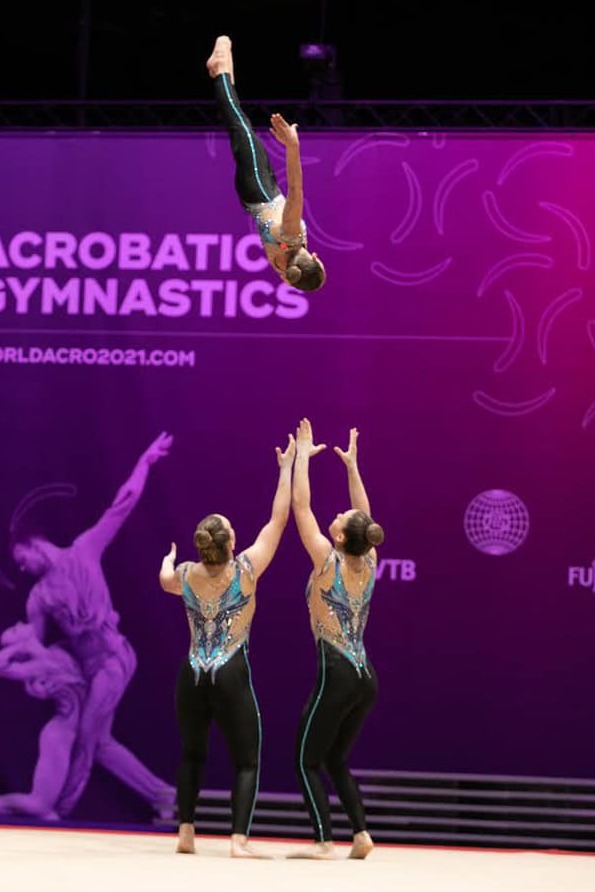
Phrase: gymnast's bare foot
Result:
[240,847]
[320,851]
[221,61]
[362,845]
[185,844]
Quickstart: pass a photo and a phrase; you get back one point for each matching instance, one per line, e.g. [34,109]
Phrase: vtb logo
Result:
[583,576]
[397,569]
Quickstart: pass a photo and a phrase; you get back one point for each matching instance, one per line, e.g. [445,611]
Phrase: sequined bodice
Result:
[337,615]
[219,626]
[266,214]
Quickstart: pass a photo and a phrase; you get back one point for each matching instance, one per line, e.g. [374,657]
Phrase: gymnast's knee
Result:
[336,766]
[305,761]
[248,763]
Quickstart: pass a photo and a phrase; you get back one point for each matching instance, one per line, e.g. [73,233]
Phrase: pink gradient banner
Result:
[456,331]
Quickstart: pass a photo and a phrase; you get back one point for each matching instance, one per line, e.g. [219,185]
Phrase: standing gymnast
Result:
[214,681]
[339,592]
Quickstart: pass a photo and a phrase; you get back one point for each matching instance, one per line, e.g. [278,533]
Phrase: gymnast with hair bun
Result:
[214,681]
[339,593]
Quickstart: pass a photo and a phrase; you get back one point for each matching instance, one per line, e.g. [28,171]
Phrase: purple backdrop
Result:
[457,331]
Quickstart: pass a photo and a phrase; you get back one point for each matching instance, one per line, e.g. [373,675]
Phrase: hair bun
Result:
[375,534]
[293,273]
[203,538]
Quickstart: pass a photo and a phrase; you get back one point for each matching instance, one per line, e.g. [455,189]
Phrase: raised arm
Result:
[98,537]
[316,544]
[357,491]
[293,211]
[169,580]
[261,553]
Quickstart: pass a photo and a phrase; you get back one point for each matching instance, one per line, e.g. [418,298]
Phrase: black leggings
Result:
[328,729]
[231,702]
[254,179]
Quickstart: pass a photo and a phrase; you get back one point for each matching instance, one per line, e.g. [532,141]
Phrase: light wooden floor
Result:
[91,861]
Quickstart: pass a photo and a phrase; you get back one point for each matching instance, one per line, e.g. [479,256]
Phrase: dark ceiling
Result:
[115,49]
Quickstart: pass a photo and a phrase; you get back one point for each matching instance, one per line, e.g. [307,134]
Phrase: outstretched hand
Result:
[305,440]
[349,455]
[171,554]
[283,132]
[159,448]
[286,458]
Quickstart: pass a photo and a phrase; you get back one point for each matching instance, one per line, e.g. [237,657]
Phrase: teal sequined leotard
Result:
[258,211]
[338,616]
[219,626]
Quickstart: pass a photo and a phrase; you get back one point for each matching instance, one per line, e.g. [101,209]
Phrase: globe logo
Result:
[496,522]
